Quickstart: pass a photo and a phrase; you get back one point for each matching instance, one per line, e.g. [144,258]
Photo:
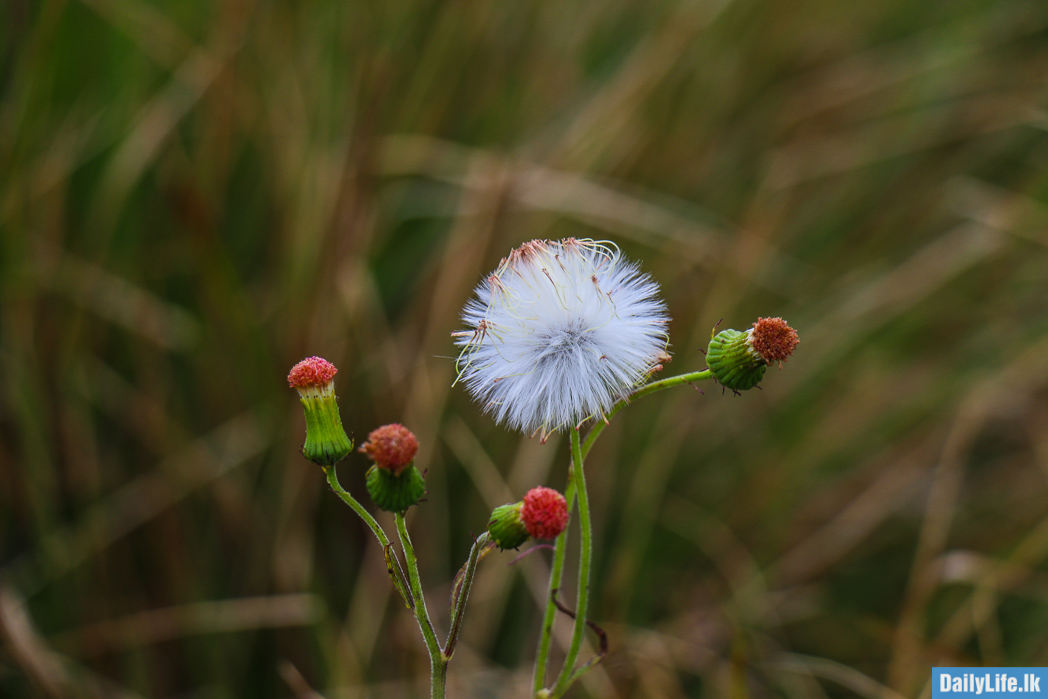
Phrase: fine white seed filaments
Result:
[559,333]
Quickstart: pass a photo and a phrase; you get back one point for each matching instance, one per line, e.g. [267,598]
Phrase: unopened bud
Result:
[394,483]
[326,441]
[394,493]
[738,359]
[542,514]
[506,528]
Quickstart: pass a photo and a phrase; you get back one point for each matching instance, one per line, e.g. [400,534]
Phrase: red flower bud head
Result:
[545,513]
[391,447]
[311,372]
[773,339]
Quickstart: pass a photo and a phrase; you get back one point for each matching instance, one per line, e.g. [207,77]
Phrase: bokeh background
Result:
[197,195]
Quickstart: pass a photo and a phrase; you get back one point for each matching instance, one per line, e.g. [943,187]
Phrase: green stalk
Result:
[560,550]
[645,390]
[438,664]
[585,559]
[555,578]
[462,594]
[332,479]
[394,573]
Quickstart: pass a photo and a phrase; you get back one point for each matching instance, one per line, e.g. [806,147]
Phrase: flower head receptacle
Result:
[738,359]
[393,482]
[542,514]
[326,441]
[558,333]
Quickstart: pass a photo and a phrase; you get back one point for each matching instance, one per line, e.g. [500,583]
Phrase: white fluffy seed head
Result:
[559,333]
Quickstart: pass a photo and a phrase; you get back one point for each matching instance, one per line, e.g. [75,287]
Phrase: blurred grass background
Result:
[197,195]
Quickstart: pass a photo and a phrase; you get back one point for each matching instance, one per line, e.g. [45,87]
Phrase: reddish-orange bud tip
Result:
[392,447]
[313,371]
[773,339]
[544,513]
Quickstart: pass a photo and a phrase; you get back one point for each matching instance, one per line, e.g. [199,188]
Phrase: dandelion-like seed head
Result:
[558,333]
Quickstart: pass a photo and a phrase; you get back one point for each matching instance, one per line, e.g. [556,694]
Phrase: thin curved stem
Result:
[438,664]
[461,594]
[413,595]
[555,578]
[332,479]
[560,551]
[585,560]
[376,528]
[645,390]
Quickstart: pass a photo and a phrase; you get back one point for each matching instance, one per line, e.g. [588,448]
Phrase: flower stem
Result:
[555,578]
[585,559]
[332,479]
[567,677]
[438,664]
[461,594]
[395,573]
[645,390]
[413,595]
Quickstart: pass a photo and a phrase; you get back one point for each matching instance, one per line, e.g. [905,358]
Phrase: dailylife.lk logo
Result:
[961,683]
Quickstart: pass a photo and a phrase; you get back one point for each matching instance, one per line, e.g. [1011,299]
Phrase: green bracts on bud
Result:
[506,527]
[394,493]
[326,441]
[733,362]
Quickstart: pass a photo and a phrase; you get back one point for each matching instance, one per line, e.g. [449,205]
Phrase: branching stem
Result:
[438,664]
[569,674]
[585,559]
[461,596]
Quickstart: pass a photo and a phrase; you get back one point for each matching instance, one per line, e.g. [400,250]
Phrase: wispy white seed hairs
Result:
[559,333]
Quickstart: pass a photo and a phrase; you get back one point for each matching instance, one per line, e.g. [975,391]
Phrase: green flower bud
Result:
[326,441]
[394,493]
[506,527]
[738,359]
[542,514]
[731,363]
